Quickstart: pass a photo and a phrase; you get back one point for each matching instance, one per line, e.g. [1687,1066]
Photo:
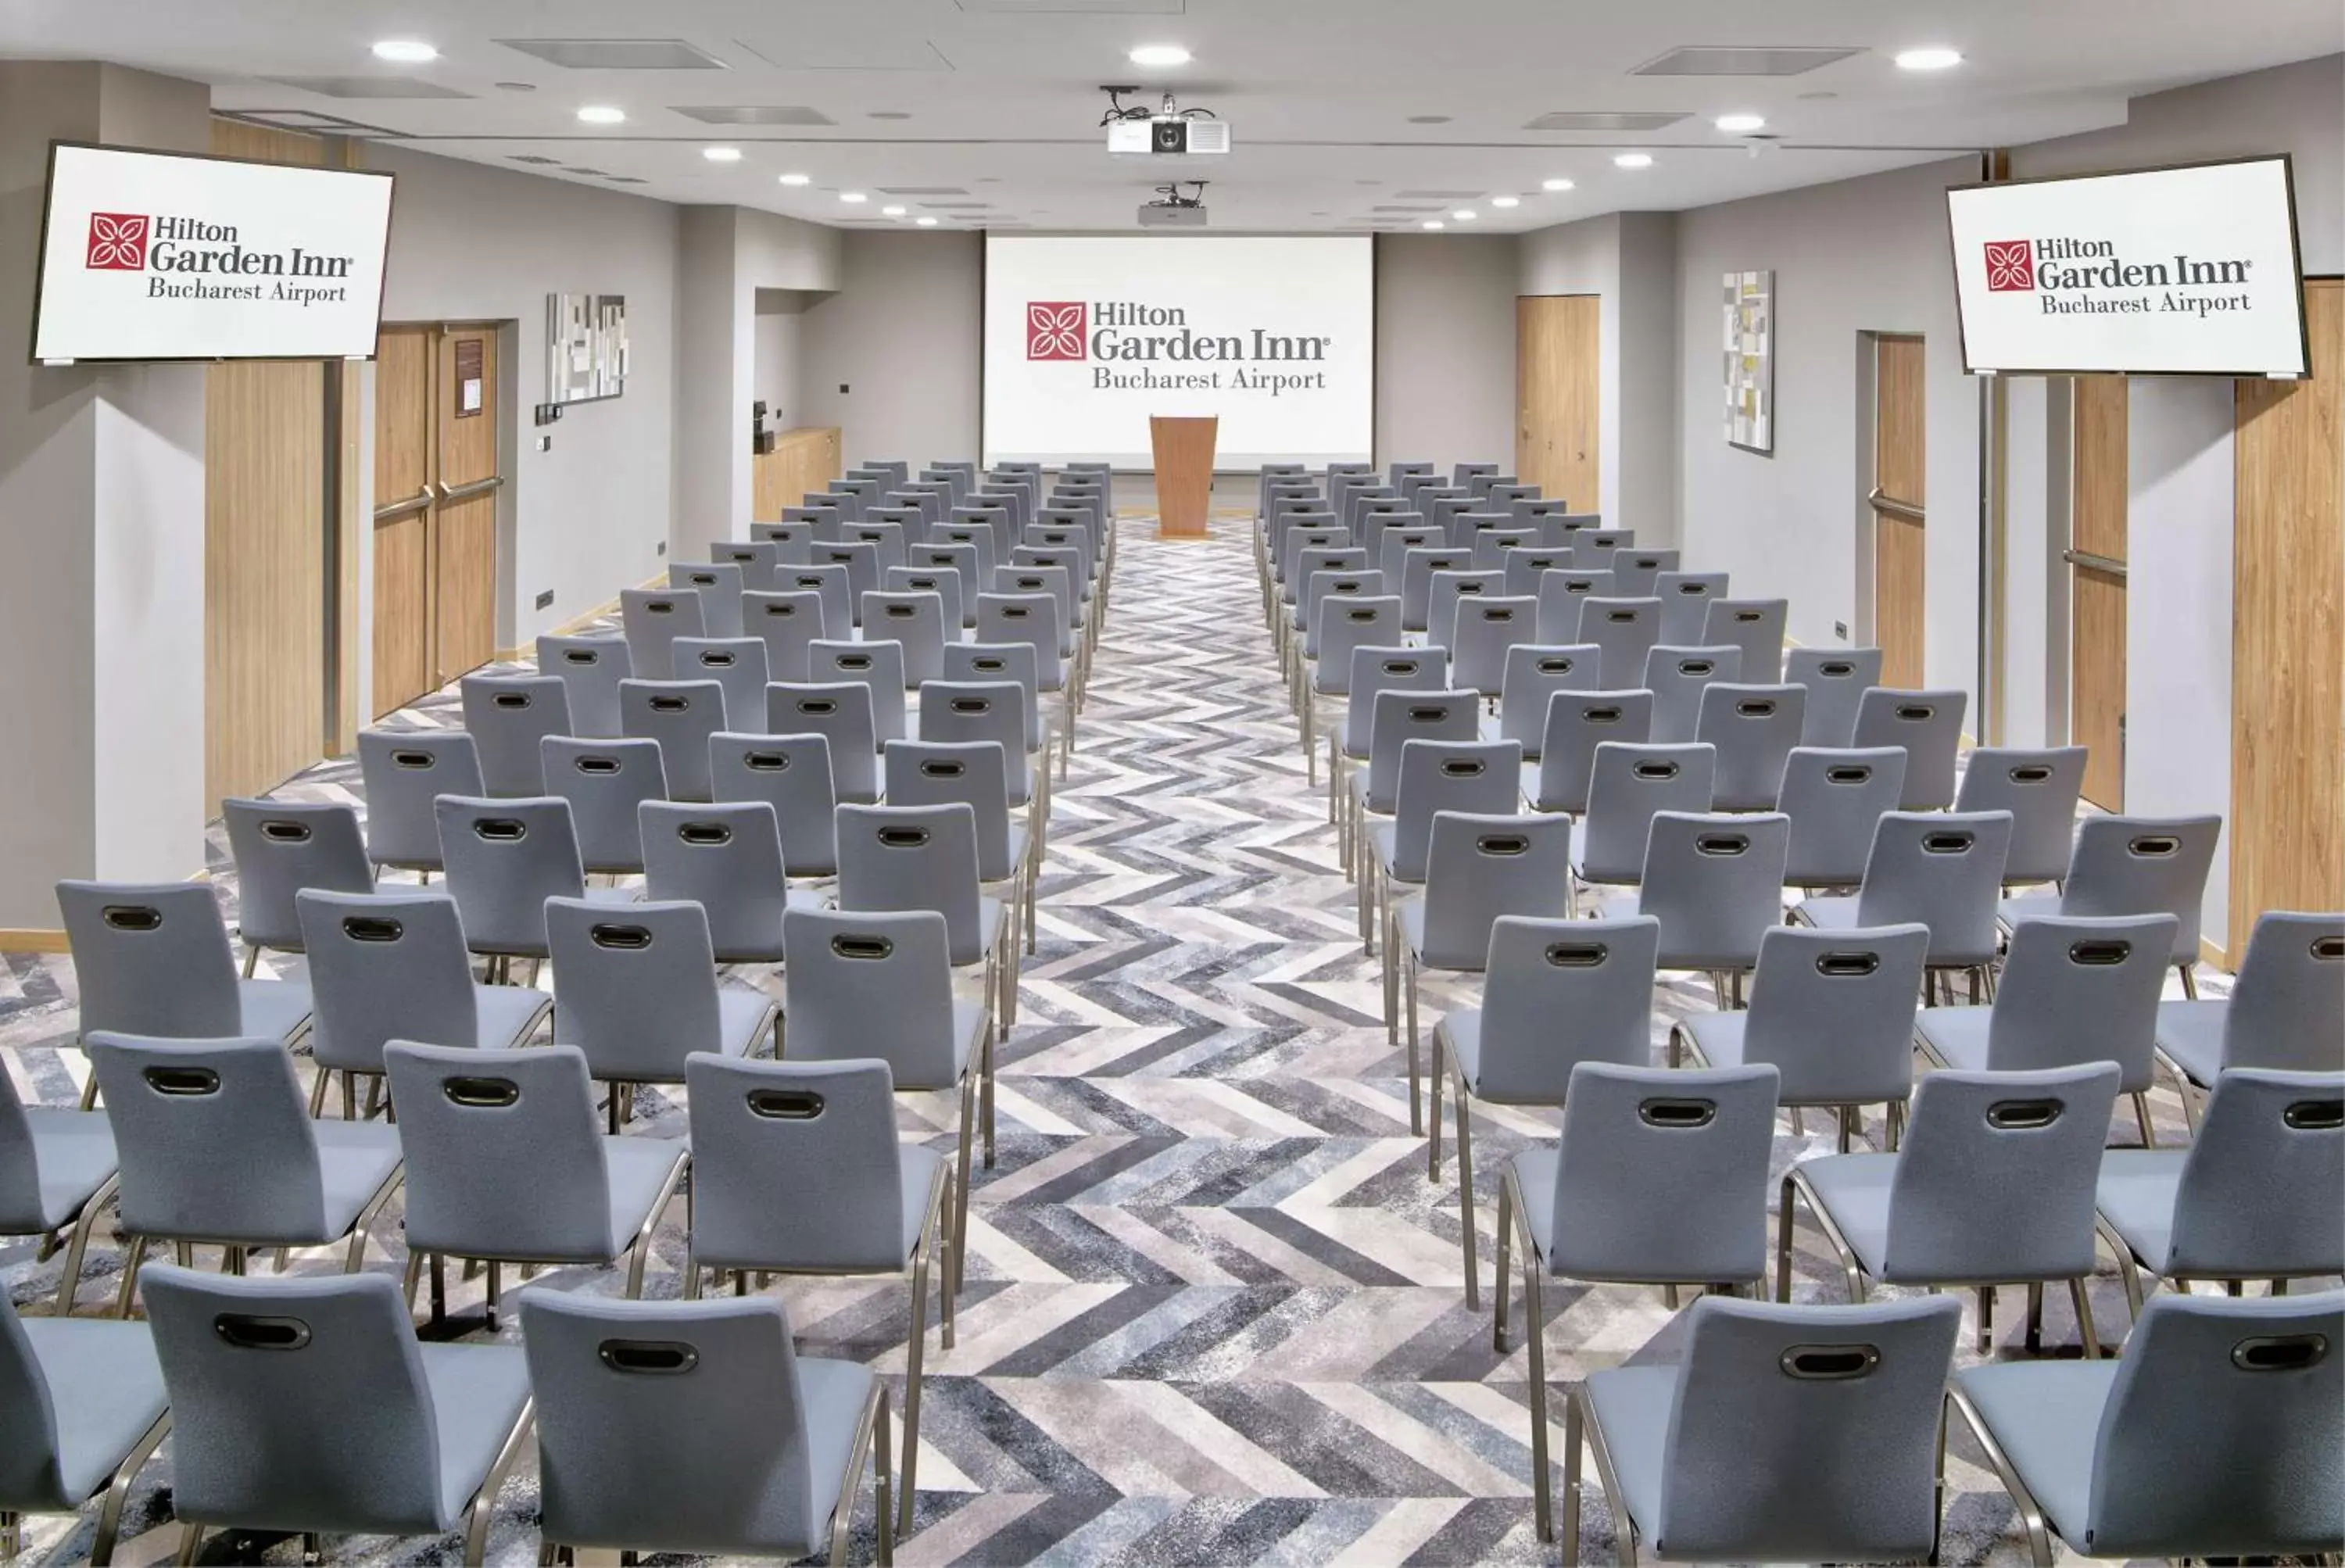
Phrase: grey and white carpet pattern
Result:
[1214,1311]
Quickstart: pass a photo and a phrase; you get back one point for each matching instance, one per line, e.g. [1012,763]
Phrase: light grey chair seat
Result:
[832,1394]
[508,1015]
[2135,1196]
[2046,1418]
[2191,1036]
[2026,906]
[73,1156]
[354,1159]
[273,1009]
[477,1395]
[1632,1407]
[1831,912]
[1718,1036]
[921,1165]
[1855,1188]
[1956,1034]
[107,1390]
[1534,1169]
[640,1171]
[742,1016]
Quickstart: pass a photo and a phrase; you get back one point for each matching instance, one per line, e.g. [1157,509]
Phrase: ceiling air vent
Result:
[1730,60]
[531,157]
[753,114]
[1399,206]
[922,190]
[368,86]
[309,120]
[617,54]
[1438,195]
[590,173]
[626,179]
[1602,120]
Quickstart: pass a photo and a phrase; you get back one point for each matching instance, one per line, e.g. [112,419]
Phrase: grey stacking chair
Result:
[308,1406]
[681,715]
[884,533]
[281,847]
[58,1171]
[1494,547]
[654,618]
[1535,672]
[1754,728]
[1484,634]
[506,716]
[505,860]
[2216,1435]
[1832,1012]
[1447,513]
[740,666]
[1837,680]
[508,1163]
[1563,595]
[1627,784]
[1345,626]
[1624,631]
[1056,582]
[829,582]
[1527,564]
[1418,570]
[392,966]
[860,561]
[2073,990]
[1943,869]
[1838,1407]
[1032,618]
[956,712]
[853,494]
[1478,777]
[1402,714]
[944,584]
[1593,549]
[590,669]
[840,712]
[82,1409]
[1754,625]
[2286,1010]
[1836,796]
[1636,575]
[1684,596]
[866,984]
[638,993]
[896,858]
[1464,474]
[915,623]
[867,1203]
[2135,865]
[1715,881]
[1559,992]
[1395,666]
[1398,472]
[1448,595]
[1505,495]
[875,665]
[787,623]
[1929,725]
[604,781]
[756,559]
[2040,788]
[976,571]
[2258,1195]
[1575,724]
[793,541]
[695,1427]
[1377,527]
[791,773]
[1659,1177]
[176,1105]
[1993,1186]
[1677,677]
[976,774]
[153,958]
[727,858]
[402,772]
[1394,546]
[1478,868]
[1021,662]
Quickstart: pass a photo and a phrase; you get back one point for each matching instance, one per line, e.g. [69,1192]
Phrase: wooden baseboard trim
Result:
[2212,956]
[33,939]
[608,606]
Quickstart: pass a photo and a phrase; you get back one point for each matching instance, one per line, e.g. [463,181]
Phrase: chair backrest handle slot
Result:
[2279,1352]
[181,1080]
[648,1358]
[784,1104]
[620,938]
[2024,1115]
[132,917]
[1577,954]
[252,1331]
[1830,1363]
[372,928]
[1847,965]
[1677,1114]
[481,1094]
[2314,1116]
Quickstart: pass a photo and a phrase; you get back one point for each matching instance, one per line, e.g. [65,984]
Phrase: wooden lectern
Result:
[1184,474]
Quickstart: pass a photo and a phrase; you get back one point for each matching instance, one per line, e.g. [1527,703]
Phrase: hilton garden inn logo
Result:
[184,254]
[1077,329]
[2088,277]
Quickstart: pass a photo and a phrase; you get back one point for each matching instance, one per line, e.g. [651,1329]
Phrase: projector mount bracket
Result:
[1169,194]
[1119,111]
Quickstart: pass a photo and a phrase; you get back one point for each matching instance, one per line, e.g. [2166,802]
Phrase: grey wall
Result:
[903,334]
[780,344]
[1584,258]
[469,243]
[1444,334]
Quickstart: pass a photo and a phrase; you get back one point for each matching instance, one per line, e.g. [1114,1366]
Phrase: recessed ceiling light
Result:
[1435,223]
[796,178]
[891,212]
[1159,54]
[925,222]
[721,154]
[852,196]
[1930,57]
[602,115]
[1555,185]
[1465,215]
[1633,160]
[1506,201]
[1429,119]
[1738,122]
[405,51]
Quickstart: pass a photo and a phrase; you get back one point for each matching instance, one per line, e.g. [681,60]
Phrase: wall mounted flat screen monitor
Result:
[169,256]
[2189,271]
[1086,336]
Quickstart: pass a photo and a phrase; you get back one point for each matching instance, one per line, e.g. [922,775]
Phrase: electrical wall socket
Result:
[662,550]
[1839,630]
[545,600]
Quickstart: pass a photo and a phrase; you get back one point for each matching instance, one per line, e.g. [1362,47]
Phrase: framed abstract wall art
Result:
[585,347]
[1750,300]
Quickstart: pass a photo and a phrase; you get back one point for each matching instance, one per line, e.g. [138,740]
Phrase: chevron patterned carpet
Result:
[1214,1311]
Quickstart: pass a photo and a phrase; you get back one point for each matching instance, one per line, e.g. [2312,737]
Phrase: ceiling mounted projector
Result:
[1169,131]
[1172,209]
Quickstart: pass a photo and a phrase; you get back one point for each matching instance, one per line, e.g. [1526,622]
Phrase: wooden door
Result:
[1900,474]
[2097,615]
[2288,634]
[435,517]
[402,516]
[1557,397]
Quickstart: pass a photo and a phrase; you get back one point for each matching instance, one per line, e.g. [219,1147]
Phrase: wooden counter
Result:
[802,460]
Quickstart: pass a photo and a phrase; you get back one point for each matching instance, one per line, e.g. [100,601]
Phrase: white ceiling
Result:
[998,100]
